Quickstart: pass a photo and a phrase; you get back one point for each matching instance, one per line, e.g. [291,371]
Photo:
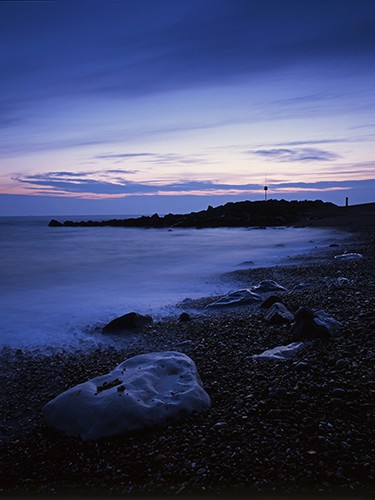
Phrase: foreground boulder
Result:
[143,391]
[278,314]
[313,325]
[129,321]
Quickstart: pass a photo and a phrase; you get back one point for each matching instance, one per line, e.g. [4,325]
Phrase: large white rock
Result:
[143,391]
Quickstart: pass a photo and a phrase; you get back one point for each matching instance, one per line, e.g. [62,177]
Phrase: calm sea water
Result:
[57,282]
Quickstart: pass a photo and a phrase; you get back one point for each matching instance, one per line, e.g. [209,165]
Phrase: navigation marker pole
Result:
[265,188]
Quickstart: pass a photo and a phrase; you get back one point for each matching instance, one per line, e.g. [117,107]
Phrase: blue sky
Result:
[168,106]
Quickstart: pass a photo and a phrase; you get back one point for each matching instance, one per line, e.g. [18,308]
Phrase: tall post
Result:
[347,201]
[265,188]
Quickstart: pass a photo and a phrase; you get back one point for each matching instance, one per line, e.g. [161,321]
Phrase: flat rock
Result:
[268,286]
[143,391]
[240,297]
[278,314]
[129,321]
[282,352]
[349,256]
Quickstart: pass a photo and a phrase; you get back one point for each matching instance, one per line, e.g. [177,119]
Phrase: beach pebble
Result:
[143,391]
[337,392]
[342,363]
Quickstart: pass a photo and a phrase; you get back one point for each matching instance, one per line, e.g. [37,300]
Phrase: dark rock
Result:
[184,317]
[278,314]
[270,301]
[313,325]
[130,321]
[55,223]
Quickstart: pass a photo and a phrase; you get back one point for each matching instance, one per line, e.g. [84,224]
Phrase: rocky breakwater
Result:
[240,214]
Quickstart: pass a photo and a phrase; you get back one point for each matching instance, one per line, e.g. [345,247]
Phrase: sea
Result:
[58,283]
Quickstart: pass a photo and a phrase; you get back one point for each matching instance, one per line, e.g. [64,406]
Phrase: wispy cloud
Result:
[296,155]
[157,158]
[88,185]
[106,156]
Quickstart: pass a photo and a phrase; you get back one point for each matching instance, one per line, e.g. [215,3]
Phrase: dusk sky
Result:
[145,106]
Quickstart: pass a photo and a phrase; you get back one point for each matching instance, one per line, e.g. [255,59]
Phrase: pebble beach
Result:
[301,427]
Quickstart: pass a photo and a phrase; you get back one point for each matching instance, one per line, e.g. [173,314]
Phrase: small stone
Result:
[301,366]
[220,425]
[338,393]
[342,363]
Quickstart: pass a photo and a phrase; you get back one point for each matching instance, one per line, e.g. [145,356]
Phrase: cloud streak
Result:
[296,155]
[84,186]
[106,156]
